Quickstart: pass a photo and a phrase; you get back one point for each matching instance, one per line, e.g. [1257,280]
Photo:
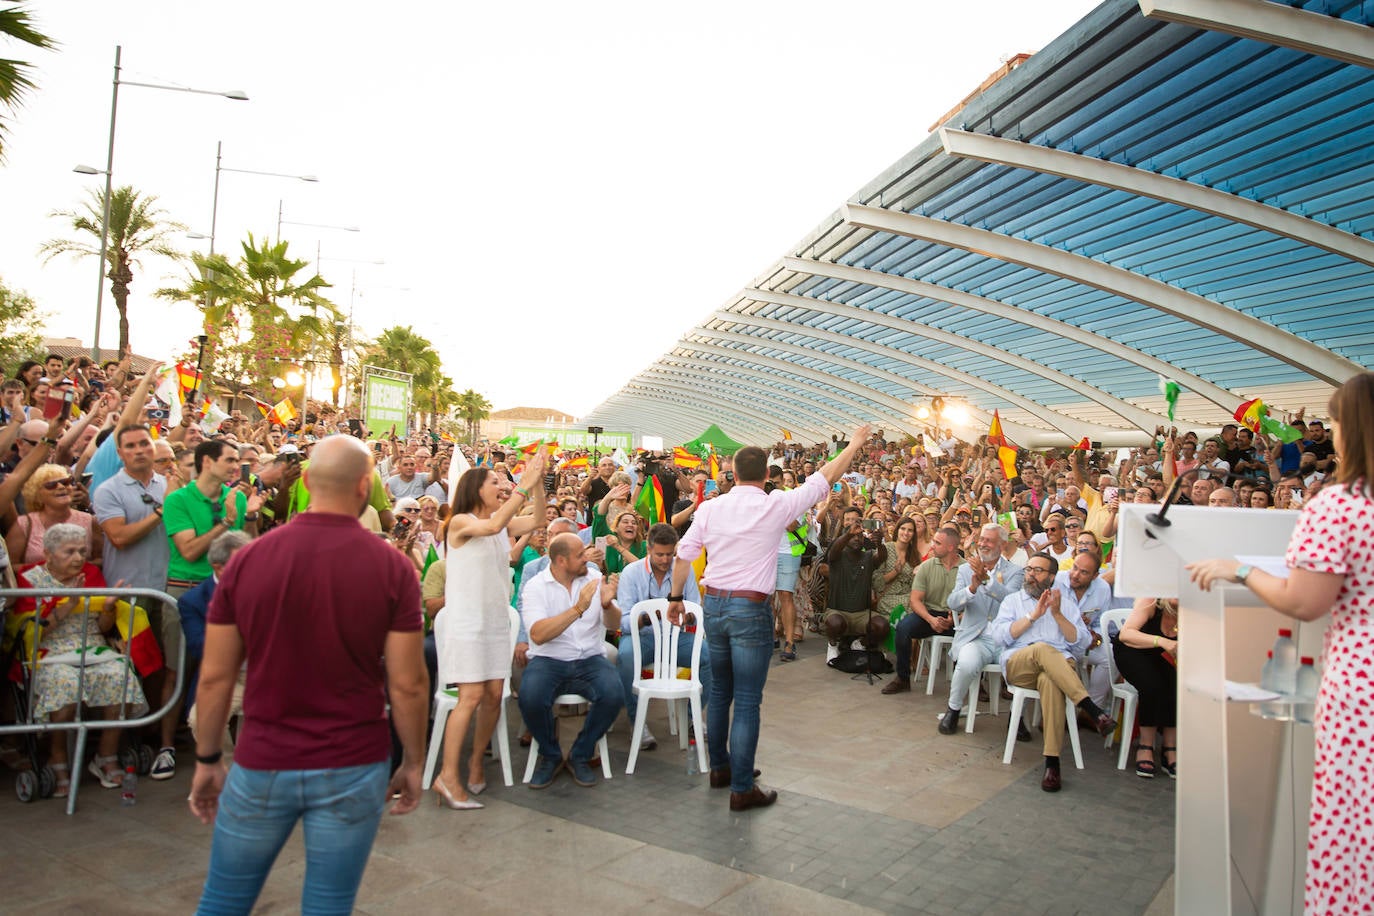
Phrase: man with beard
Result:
[980,587]
[1040,645]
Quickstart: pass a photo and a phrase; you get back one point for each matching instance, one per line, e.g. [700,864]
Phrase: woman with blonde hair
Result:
[48,497]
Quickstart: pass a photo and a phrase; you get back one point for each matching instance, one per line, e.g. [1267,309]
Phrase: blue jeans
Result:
[593,678]
[739,633]
[258,809]
[626,664]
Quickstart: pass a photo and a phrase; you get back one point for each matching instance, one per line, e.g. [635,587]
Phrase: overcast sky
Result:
[535,176]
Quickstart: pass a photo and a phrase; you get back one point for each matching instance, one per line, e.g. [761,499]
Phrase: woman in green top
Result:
[626,543]
[527,548]
[616,501]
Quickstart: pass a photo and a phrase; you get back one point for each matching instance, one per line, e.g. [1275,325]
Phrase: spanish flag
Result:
[1006,450]
[787,435]
[574,464]
[533,447]
[445,437]
[263,407]
[1250,413]
[1083,445]
[188,378]
[715,464]
[284,412]
[685,459]
[134,629]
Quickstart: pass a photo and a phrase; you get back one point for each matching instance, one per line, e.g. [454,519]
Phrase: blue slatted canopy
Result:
[1140,198]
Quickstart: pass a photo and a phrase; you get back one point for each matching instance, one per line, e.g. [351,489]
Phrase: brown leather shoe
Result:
[897,685]
[720,779]
[1105,725]
[1051,781]
[754,798]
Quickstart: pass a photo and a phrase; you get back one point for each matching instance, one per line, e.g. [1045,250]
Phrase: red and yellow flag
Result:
[188,379]
[574,464]
[685,459]
[1006,449]
[715,464]
[284,412]
[1251,413]
[1083,445]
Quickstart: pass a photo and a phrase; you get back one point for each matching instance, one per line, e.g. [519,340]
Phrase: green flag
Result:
[1170,391]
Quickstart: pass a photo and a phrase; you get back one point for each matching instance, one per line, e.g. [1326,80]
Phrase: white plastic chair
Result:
[1019,696]
[665,685]
[1124,694]
[572,699]
[446,701]
[602,748]
[933,648]
[994,693]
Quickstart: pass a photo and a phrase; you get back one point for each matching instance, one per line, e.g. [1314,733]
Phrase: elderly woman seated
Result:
[55,632]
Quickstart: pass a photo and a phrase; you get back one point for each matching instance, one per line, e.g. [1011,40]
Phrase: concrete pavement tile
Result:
[678,876]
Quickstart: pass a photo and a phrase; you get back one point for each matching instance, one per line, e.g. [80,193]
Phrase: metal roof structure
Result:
[1172,187]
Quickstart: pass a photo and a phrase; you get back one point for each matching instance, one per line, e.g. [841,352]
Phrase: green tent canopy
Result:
[713,436]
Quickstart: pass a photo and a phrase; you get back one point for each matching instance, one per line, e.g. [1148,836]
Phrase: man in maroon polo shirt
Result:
[327,617]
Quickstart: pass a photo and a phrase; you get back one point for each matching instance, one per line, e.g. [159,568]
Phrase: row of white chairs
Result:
[682,695]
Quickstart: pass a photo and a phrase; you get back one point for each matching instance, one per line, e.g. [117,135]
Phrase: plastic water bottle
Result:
[693,767]
[1305,706]
[129,788]
[1267,672]
[1285,678]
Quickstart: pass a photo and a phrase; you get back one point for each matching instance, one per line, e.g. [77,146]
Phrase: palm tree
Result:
[439,397]
[473,407]
[136,227]
[257,313]
[15,79]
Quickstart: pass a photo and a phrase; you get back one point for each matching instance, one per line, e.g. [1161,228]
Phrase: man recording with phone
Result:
[853,556]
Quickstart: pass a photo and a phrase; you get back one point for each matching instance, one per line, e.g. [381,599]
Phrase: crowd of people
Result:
[901,541]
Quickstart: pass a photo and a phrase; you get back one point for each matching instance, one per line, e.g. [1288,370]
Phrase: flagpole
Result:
[200,360]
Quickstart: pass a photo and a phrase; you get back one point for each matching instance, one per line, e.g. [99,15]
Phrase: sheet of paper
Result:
[1275,566]
[1248,693]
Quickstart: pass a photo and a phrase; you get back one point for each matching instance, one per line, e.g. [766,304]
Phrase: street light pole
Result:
[236,95]
[105,216]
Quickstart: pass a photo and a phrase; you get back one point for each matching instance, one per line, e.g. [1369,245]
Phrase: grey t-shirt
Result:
[400,489]
[140,565]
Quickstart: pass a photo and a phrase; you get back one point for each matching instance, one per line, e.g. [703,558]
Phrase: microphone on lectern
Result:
[1160,519]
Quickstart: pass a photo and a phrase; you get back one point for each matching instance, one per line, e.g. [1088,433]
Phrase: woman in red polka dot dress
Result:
[1331,560]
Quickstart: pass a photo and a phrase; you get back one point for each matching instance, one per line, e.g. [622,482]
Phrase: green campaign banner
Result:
[387,402]
[572,438]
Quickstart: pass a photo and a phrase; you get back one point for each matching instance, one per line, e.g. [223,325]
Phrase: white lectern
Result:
[1244,783]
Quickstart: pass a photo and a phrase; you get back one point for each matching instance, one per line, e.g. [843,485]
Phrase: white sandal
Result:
[62,781]
[97,767]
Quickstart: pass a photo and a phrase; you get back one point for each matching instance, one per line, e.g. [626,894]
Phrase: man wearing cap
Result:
[740,532]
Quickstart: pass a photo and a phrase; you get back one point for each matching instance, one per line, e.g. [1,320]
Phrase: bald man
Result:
[567,610]
[328,618]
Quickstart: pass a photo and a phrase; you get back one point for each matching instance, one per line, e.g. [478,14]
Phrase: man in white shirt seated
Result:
[1040,647]
[652,577]
[567,609]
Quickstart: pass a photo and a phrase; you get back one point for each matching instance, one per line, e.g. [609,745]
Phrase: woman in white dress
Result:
[472,632]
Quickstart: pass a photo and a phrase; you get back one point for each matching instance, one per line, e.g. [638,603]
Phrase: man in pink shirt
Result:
[740,531]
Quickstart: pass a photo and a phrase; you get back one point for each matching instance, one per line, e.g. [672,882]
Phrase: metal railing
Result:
[80,724]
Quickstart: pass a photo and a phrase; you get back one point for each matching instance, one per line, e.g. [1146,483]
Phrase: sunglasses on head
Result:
[64,482]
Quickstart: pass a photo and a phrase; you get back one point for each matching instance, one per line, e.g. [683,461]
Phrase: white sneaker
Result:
[832,651]
[857,645]
[648,742]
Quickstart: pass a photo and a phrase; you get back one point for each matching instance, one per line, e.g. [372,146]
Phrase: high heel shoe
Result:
[476,788]
[444,797]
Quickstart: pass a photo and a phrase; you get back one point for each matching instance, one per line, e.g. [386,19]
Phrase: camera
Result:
[401,528]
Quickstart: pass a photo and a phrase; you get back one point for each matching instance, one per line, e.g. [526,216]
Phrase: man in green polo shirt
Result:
[928,604]
[201,511]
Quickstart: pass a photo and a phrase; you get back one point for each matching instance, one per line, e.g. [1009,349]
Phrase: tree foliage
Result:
[137,227]
[473,407]
[260,313]
[402,350]
[21,336]
[16,76]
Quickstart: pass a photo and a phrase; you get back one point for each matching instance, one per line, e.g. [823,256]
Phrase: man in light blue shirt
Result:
[1040,647]
[1087,595]
[652,577]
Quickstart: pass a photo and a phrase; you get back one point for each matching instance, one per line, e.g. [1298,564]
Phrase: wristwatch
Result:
[1243,572]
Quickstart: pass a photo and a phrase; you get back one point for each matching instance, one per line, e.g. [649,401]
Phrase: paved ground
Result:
[878,812]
